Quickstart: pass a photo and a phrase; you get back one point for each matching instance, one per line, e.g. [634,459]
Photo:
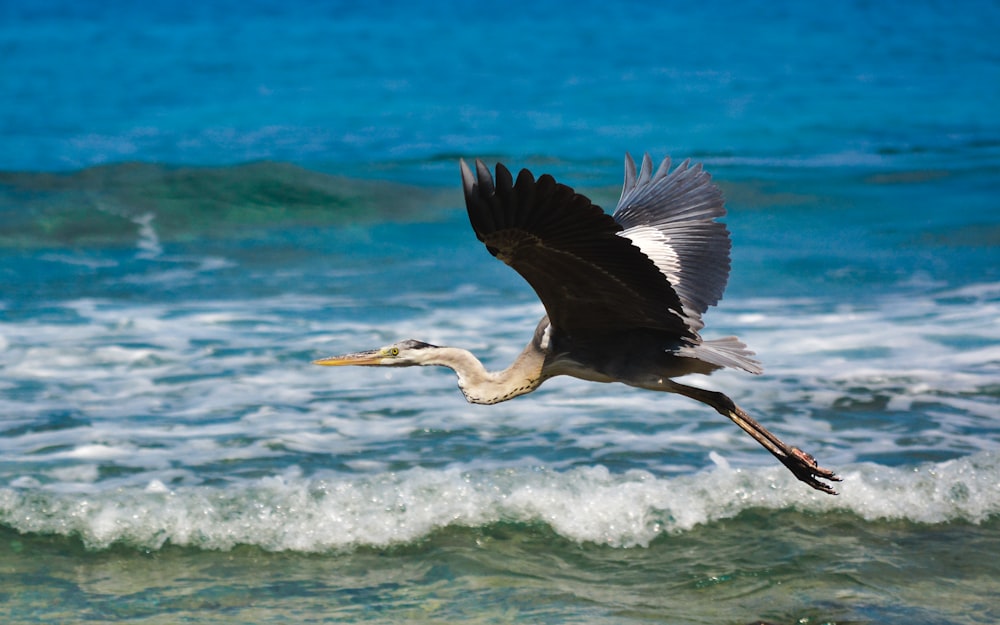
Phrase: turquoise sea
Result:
[199,198]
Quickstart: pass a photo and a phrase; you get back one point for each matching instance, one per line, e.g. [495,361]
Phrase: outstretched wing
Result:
[569,250]
[670,216]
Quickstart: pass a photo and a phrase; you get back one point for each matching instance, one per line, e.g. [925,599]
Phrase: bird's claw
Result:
[806,469]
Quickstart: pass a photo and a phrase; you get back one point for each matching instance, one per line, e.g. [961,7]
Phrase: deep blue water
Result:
[334,83]
[197,199]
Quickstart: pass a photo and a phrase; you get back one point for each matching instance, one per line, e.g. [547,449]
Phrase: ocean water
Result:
[198,199]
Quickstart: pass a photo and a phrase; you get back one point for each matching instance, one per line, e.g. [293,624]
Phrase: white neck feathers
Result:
[490,387]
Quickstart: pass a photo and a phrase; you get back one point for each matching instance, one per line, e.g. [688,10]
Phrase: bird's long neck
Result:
[490,387]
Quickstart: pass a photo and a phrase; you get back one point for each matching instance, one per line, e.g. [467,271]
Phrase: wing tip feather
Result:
[468,180]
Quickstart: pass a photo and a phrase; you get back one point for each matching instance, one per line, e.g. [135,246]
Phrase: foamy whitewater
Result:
[318,514]
[202,425]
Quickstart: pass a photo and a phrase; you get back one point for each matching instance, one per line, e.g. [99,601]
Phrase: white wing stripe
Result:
[656,246]
[671,217]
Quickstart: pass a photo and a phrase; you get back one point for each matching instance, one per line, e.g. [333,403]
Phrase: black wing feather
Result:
[588,277]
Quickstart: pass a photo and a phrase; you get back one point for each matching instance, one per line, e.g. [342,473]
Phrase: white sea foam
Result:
[311,514]
[120,427]
[130,354]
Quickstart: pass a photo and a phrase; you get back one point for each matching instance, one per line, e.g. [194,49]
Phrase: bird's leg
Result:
[801,464]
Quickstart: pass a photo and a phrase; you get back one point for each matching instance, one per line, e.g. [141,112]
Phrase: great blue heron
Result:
[623,293]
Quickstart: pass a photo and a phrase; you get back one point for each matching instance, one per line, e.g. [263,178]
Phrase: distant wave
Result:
[587,505]
[112,204]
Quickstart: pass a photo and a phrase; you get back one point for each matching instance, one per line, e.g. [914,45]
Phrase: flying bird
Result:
[623,293]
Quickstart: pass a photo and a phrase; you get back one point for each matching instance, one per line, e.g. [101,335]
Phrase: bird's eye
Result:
[394,351]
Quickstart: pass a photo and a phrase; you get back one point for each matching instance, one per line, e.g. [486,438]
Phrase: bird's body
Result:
[623,293]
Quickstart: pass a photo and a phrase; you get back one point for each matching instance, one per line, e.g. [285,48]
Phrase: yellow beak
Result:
[370,357]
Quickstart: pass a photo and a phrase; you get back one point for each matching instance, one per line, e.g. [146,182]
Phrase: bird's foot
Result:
[801,464]
[806,469]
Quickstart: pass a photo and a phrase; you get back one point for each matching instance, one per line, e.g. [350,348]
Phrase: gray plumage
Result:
[623,293]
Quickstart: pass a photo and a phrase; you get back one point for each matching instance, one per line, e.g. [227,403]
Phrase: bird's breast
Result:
[633,357]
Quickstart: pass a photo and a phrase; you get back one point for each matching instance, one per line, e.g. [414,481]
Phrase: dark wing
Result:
[670,216]
[569,250]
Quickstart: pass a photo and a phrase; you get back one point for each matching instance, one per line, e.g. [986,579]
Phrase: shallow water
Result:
[786,567]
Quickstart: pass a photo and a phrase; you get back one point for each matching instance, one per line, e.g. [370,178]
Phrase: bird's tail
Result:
[727,352]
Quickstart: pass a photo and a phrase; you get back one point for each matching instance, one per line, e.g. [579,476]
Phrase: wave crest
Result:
[587,505]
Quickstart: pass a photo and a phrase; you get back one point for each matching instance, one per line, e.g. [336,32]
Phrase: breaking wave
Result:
[588,505]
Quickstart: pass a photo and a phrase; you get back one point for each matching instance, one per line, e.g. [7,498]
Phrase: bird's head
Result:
[407,353]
